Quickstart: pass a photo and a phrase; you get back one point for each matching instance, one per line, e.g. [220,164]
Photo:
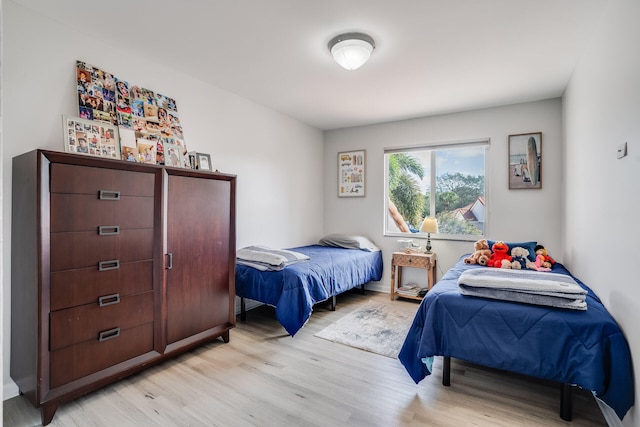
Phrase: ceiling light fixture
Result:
[351,50]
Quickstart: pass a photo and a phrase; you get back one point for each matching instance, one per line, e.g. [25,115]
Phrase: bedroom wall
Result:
[513,215]
[602,111]
[278,200]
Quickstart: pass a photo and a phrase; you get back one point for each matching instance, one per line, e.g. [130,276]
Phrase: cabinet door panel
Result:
[198,227]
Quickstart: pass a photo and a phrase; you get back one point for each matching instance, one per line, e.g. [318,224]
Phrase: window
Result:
[446,181]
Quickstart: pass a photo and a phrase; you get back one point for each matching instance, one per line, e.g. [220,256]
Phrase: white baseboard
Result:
[9,390]
[377,286]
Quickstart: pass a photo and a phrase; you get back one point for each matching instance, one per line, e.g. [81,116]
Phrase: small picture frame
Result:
[191,155]
[146,151]
[525,161]
[203,162]
[90,138]
[173,155]
[351,173]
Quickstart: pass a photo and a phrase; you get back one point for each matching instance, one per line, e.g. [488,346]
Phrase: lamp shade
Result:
[351,50]
[429,225]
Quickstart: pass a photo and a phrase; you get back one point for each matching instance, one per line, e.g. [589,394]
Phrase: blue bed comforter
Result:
[294,290]
[585,348]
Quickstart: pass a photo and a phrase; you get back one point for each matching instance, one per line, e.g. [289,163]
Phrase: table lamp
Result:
[429,225]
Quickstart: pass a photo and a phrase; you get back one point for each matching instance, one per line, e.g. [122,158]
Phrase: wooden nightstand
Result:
[413,260]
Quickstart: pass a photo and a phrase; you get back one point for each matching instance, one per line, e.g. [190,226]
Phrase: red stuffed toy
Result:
[500,253]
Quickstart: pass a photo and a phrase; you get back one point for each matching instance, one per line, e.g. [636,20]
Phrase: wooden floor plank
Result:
[264,377]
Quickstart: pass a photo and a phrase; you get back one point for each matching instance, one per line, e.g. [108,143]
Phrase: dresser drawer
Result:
[70,288]
[88,248]
[77,361]
[412,260]
[67,178]
[84,212]
[86,322]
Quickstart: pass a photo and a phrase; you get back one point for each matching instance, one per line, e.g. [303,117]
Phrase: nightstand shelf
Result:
[413,260]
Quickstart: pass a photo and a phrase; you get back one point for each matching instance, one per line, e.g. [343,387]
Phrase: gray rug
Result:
[376,327]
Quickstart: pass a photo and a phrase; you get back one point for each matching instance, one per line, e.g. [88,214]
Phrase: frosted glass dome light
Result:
[351,50]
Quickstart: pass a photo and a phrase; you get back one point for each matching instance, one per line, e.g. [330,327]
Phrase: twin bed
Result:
[583,347]
[294,290]
[578,345]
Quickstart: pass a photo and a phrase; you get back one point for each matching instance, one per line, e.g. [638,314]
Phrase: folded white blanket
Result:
[531,287]
[521,280]
[265,258]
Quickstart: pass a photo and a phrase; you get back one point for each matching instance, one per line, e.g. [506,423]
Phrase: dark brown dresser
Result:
[114,266]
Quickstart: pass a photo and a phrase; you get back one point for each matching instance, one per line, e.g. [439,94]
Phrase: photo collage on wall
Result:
[148,122]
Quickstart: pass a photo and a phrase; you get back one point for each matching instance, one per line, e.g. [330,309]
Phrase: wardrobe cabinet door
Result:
[199,225]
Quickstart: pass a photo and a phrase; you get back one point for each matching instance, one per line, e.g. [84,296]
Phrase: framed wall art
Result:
[351,173]
[91,138]
[525,161]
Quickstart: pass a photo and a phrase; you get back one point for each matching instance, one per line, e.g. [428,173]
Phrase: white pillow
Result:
[349,241]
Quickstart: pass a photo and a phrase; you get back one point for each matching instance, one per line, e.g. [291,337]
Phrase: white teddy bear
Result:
[520,259]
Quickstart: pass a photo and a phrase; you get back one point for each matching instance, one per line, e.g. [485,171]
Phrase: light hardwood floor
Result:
[263,377]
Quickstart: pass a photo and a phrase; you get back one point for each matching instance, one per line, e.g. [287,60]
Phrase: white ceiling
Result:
[431,56]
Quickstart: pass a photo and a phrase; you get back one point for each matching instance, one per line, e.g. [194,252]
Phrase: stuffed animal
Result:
[500,257]
[520,258]
[481,254]
[547,261]
[537,265]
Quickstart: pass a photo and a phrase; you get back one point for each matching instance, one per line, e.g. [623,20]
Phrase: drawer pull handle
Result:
[109,265]
[109,195]
[109,230]
[109,335]
[108,300]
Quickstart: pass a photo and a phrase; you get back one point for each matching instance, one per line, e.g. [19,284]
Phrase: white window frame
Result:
[486,142]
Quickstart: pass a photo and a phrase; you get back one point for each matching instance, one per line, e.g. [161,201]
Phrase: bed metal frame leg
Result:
[243,309]
[566,401]
[332,304]
[566,390]
[446,371]
[362,290]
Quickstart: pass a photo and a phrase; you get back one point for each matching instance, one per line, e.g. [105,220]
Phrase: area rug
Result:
[376,327]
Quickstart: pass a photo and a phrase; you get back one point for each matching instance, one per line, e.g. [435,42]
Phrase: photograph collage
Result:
[93,138]
[147,122]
